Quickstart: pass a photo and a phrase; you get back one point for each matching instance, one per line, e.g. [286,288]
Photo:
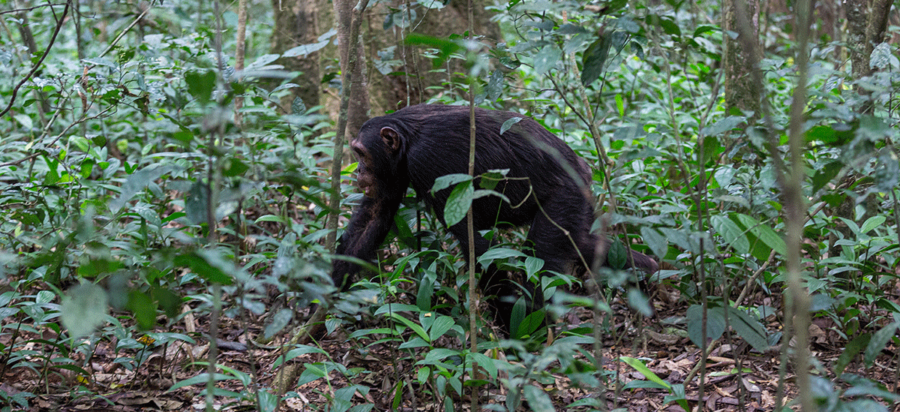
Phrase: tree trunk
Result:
[391,92]
[296,23]
[867,24]
[239,54]
[741,94]
[358,111]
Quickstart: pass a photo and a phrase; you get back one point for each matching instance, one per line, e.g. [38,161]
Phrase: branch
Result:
[35,68]
[31,8]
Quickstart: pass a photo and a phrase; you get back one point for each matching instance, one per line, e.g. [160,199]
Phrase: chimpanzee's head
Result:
[377,149]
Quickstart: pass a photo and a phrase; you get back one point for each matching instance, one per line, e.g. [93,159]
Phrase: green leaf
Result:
[397,307]
[509,123]
[307,49]
[617,257]
[495,85]
[436,355]
[850,351]
[484,362]
[445,47]
[144,310]
[199,265]
[538,400]
[657,242]
[516,317]
[200,379]
[748,328]
[644,370]
[825,174]
[546,59]
[765,233]
[620,104]
[440,326]
[638,301]
[201,84]
[458,203]
[723,125]
[498,253]
[410,324]
[530,324]
[25,121]
[235,168]
[872,223]
[423,296]
[715,324]
[281,319]
[446,181]
[593,60]
[532,266]
[879,341]
[84,308]
[731,233]
[423,374]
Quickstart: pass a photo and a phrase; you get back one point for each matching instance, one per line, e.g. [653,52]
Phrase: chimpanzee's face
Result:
[365,179]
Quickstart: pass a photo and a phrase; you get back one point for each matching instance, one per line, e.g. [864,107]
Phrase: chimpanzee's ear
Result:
[391,138]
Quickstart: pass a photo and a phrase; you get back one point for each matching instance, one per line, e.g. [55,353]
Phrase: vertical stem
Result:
[704,320]
[795,207]
[337,157]
[239,52]
[470,228]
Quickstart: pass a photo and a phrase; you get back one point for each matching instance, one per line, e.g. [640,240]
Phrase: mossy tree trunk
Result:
[297,23]
[741,17]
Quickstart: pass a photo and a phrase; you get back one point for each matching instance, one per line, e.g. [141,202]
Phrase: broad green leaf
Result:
[281,319]
[423,374]
[638,301]
[538,400]
[446,181]
[824,174]
[144,310]
[656,241]
[731,233]
[617,256]
[516,317]
[850,351]
[879,341]
[748,328]
[530,324]
[532,266]
[723,125]
[458,203]
[200,379]
[546,59]
[484,362]
[438,354]
[872,223]
[498,253]
[201,84]
[84,308]
[594,59]
[440,326]
[765,233]
[305,49]
[715,324]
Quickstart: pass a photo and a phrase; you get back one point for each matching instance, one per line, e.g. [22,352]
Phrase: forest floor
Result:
[113,386]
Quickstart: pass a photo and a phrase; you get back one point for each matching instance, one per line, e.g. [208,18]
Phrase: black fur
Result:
[418,144]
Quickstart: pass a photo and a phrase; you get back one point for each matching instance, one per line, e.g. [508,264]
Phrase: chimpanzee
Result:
[418,144]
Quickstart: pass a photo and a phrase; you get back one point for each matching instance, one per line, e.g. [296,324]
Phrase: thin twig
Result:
[34,69]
